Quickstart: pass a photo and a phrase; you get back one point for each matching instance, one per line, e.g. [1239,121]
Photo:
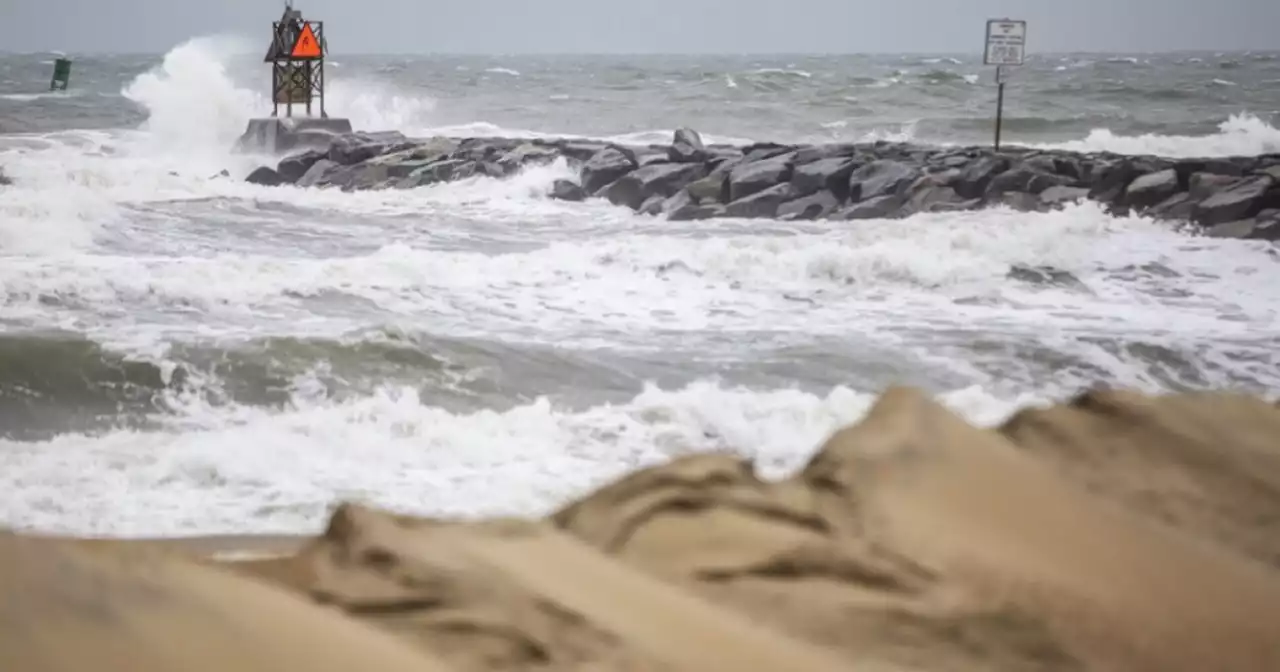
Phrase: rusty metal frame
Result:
[295,81]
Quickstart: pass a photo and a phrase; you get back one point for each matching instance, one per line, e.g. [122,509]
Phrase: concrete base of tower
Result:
[278,135]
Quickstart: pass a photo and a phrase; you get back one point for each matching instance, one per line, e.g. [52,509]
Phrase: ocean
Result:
[182,352]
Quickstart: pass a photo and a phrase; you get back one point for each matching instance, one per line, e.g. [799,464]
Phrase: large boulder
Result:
[883,177]
[292,168]
[762,204]
[526,154]
[566,190]
[580,151]
[317,173]
[1024,180]
[687,147]
[812,206]
[977,174]
[605,167]
[830,174]
[1152,188]
[752,177]
[929,194]
[1265,226]
[663,179]
[1204,185]
[1112,179]
[265,176]
[810,153]
[878,207]
[354,148]
[1242,199]
[1177,207]
[1060,195]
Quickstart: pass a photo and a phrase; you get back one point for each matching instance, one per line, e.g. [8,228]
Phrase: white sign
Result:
[1006,42]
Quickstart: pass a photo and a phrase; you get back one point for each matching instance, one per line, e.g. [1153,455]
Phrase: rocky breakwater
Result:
[1236,197]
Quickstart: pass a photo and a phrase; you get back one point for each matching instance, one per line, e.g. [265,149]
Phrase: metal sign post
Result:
[1006,46]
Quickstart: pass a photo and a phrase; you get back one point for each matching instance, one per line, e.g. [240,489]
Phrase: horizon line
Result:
[967,52]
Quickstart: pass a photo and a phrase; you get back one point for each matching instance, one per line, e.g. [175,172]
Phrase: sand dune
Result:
[1113,532]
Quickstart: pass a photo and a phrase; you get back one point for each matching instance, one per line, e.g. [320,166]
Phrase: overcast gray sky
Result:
[648,26]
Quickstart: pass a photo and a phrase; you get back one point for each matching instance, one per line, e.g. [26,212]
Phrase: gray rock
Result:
[1112,179]
[977,175]
[360,177]
[605,167]
[1242,199]
[763,151]
[1188,167]
[1265,226]
[1204,185]
[879,207]
[316,174]
[652,205]
[761,204]
[682,199]
[444,170]
[810,153]
[682,207]
[1021,179]
[402,163]
[292,168]
[696,212]
[487,149]
[434,148]
[713,188]
[581,151]
[1060,195]
[831,174]
[664,179]
[1240,228]
[1152,188]
[954,161]
[566,190]
[1177,207]
[752,177]
[812,206]
[266,177]
[883,177]
[649,158]
[354,148]
[687,147]
[526,154]
[928,195]
[492,169]
[4,179]
[1021,201]
[1268,226]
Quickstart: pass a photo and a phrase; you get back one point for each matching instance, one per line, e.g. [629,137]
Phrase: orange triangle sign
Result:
[307,45]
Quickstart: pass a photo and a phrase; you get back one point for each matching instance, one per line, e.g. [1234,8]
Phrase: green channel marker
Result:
[61,74]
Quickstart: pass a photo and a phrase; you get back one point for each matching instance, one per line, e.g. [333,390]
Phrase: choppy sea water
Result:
[182,352]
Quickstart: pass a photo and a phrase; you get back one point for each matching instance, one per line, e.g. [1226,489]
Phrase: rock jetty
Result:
[1234,197]
[1115,531]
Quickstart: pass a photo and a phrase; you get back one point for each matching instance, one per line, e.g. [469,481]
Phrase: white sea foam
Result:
[125,236]
[251,471]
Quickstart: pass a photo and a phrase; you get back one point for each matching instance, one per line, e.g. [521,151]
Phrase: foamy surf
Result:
[524,330]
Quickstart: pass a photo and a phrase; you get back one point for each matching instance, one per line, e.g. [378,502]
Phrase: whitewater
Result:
[182,352]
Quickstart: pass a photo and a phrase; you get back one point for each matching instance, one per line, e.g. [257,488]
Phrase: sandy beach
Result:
[1114,532]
